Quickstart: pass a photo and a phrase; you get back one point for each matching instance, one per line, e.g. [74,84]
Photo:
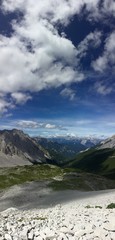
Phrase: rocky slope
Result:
[86,218]
[108,143]
[17,148]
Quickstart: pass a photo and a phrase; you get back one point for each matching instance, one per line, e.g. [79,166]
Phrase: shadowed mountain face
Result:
[63,149]
[99,160]
[17,148]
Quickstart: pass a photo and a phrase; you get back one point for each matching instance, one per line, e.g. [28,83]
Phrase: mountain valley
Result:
[64,163]
[63,149]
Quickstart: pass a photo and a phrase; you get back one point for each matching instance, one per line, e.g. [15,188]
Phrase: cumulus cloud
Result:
[36,56]
[59,11]
[69,93]
[39,57]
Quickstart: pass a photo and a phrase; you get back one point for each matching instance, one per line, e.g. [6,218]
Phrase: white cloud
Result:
[27,124]
[36,125]
[36,56]
[109,7]
[100,64]
[92,40]
[100,10]
[68,92]
[54,11]
[5,105]
[50,126]
[20,98]
[108,57]
[53,126]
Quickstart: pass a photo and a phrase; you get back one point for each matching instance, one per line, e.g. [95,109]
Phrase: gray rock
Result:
[17,148]
[8,236]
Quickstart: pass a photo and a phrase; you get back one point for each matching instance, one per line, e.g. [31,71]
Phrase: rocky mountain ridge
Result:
[17,148]
[108,143]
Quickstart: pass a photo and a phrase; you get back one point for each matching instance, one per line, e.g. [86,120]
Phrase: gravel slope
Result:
[12,161]
[69,219]
[38,195]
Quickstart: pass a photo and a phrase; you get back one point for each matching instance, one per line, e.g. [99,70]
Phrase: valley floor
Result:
[39,213]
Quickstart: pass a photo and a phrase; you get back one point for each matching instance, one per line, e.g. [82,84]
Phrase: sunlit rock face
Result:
[108,143]
[18,148]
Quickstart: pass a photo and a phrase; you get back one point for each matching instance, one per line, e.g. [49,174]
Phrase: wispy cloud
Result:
[68,93]
[102,88]
[5,105]
[92,40]
[73,128]
[107,59]
[36,125]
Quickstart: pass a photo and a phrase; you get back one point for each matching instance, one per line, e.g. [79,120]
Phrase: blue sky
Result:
[57,67]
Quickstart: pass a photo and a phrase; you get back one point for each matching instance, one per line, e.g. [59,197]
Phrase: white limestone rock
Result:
[8,236]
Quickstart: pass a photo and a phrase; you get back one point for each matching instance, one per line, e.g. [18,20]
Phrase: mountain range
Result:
[63,149]
[86,154]
[51,160]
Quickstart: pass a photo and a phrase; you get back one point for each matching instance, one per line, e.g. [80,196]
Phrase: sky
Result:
[57,67]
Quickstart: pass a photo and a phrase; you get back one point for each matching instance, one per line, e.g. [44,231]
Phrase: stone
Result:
[1,238]
[80,233]
[71,226]
[23,234]
[42,235]
[63,229]
[8,237]
[62,236]
[112,236]
[38,238]
[109,227]
[50,235]
[30,235]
